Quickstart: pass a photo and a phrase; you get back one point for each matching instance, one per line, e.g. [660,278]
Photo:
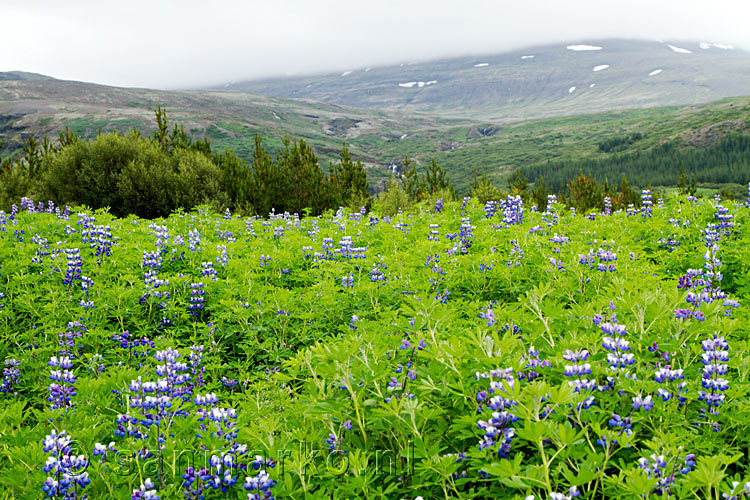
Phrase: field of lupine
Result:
[463,351]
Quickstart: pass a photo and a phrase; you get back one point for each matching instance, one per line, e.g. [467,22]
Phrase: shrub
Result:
[88,173]
[393,199]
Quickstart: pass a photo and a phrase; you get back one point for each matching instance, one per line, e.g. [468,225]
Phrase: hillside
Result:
[380,138]
[561,79]
[42,105]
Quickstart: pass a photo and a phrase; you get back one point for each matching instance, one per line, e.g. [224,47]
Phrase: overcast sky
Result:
[179,44]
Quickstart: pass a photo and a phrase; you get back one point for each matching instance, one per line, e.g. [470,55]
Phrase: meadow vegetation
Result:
[454,350]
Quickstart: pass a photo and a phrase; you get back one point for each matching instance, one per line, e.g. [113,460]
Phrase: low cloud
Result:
[191,43]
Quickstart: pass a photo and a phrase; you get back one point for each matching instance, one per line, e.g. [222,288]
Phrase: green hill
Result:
[380,138]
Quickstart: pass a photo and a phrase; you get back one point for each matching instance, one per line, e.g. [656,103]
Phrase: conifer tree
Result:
[413,185]
[518,184]
[539,194]
[436,179]
[349,180]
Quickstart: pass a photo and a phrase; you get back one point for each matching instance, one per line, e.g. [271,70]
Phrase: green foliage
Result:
[584,194]
[382,386]
[626,196]
[237,180]
[518,184]
[303,187]
[145,189]
[151,177]
[726,161]
[539,194]
[199,181]
[394,199]
[349,182]
[15,183]
[483,189]
[682,185]
[88,172]
[413,185]
[619,143]
[400,416]
[436,180]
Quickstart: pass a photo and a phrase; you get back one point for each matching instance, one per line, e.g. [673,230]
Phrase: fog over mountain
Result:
[193,44]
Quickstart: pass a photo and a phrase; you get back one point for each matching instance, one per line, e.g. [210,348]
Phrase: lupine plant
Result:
[456,351]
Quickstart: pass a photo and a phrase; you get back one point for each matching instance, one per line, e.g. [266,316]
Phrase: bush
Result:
[88,172]
[393,199]
[147,190]
[15,183]
[485,192]
[198,181]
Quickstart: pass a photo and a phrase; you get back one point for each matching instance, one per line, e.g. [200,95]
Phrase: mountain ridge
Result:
[540,81]
[461,139]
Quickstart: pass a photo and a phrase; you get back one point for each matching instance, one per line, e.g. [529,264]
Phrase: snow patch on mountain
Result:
[679,49]
[583,47]
[409,85]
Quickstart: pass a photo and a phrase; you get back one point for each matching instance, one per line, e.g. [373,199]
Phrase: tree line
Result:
[152,176]
[725,162]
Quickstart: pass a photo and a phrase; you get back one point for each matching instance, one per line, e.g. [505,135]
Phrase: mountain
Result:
[379,137]
[23,75]
[43,105]
[550,80]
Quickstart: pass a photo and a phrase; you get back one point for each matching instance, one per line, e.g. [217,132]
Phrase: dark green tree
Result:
[413,185]
[584,194]
[348,181]
[539,194]
[518,184]
[436,179]
[483,189]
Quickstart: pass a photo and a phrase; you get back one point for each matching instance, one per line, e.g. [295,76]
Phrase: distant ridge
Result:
[22,75]
[461,139]
[562,79]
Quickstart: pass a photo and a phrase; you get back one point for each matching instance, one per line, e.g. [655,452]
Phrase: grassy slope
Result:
[228,119]
[539,141]
[231,119]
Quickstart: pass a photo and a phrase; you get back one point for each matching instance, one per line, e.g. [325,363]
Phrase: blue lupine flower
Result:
[347,281]
[147,491]
[68,471]
[259,487]
[197,301]
[223,258]
[208,271]
[646,203]
[644,404]
[439,205]
[11,376]
[194,239]
[74,264]
[498,430]
[62,388]
[714,356]
[489,315]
